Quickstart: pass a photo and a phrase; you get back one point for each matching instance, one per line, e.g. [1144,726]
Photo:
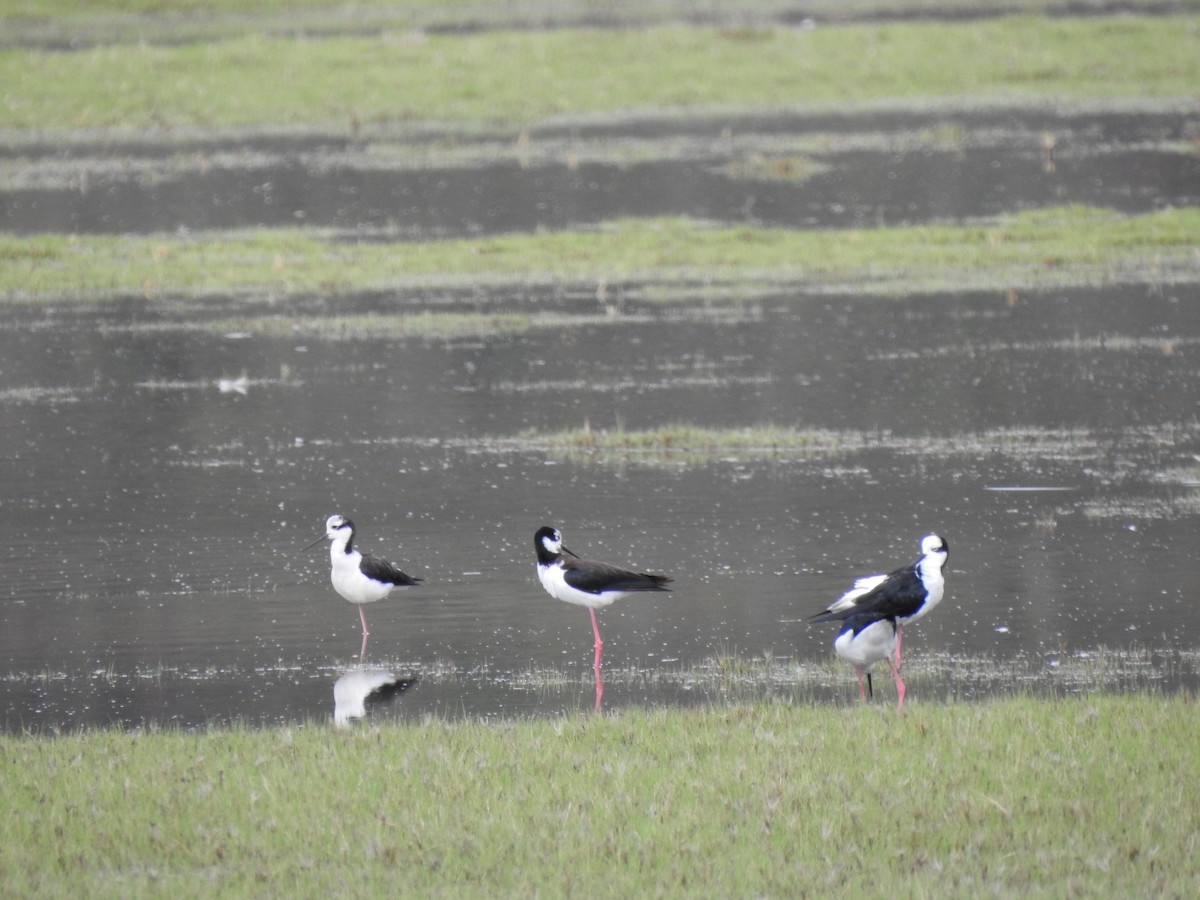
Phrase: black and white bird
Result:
[359,577]
[904,595]
[865,639]
[586,582]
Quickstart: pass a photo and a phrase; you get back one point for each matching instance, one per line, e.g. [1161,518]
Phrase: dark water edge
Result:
[854,190]
[61,702]
[732,168]
[355,21]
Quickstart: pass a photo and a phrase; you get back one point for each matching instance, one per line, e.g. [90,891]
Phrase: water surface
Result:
[790,170]
[155,522]
[160,478]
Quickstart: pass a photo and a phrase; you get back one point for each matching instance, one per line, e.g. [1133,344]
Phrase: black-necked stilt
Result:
[904,595]
[864,640]
[586,582]
[359,577]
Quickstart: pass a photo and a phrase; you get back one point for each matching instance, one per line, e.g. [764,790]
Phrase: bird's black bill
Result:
[314,543]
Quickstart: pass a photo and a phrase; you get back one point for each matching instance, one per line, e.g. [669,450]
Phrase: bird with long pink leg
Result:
[585,582]
[359,577]
[865,639]
[904,595]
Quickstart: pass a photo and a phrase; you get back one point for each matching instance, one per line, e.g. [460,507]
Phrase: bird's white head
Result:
[337,526]
[934,547]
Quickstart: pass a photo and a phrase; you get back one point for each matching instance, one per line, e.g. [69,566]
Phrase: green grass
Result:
[1052,246]
[373,326]
[670,441]
[1083,797]
[677,444]
[515,77]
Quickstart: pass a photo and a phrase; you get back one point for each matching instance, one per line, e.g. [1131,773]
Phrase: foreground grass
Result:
[1089,796]
[1056,245]
[522,77]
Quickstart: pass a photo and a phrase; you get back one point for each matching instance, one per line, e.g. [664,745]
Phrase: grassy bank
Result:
[1088,796]
[673,442]
[527,76]
[1053,246]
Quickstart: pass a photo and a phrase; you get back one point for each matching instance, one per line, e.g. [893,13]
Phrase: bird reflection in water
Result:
[363,686]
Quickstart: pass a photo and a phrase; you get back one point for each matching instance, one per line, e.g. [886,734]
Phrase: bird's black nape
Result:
[346,523]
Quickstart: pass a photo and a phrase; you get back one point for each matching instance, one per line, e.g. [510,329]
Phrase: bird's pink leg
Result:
[599,643]
[900,689]
[596,661]
[862,691]
[363,616]
[899,637]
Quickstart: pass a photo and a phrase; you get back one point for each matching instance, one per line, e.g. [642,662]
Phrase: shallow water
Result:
[848,190]
[159,485]
[155,522]
[789,171]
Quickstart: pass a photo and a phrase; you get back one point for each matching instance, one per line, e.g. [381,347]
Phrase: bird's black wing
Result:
[382,570]
[901,595]
[597,577]
[858,620]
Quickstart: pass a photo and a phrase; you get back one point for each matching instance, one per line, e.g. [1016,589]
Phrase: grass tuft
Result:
[680,443]
[1052,246]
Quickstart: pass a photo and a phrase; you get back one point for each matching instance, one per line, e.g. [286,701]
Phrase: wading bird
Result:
[586,582]
[864,640]
[904,595]
[359,577]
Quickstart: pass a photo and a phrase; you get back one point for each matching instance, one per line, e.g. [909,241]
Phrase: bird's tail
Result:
[831,615]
